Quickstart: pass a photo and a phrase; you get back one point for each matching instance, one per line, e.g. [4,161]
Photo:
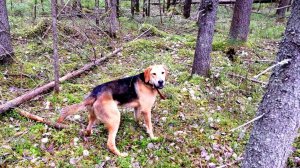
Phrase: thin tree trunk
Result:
[114,24]
[118,8]
[272,136]
[164,6]
[168,4]
[280,12]
[160,11]
[6,50]
[206,24]
[137,5]
[55,41]
[34,10]
[144,8]
[97,11]
[132,7]
[148,8]
[11,5]
[239,28]
[187,8]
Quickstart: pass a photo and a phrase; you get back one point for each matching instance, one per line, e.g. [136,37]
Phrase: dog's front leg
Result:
[137,114]
[149,127]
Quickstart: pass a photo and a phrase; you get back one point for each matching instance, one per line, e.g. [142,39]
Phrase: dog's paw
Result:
[124,154]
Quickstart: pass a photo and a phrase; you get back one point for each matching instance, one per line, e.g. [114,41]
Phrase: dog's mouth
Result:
[159,87]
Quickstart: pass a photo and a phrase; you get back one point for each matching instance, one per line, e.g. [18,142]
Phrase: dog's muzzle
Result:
[160,84]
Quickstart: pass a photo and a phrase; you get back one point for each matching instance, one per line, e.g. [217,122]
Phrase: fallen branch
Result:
[253,80]
[33,93]
[283,62]
[42,120]
[251,121]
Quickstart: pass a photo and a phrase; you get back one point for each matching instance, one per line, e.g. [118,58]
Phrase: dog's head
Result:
[156,75]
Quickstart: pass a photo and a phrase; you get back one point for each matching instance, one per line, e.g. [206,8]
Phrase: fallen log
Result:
[42,120]
[37,91]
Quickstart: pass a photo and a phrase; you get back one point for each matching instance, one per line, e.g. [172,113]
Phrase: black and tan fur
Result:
[137,91]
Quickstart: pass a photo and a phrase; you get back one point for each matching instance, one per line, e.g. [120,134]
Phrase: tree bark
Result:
[97,11]
[39,90]
[239,28]
[137,5]
[34,10]
[206,23]
[272,136]
[148,8]
[132,7]
[114,24]
[187,8]
[280,12]
[6,50]
[55,41]
[168,4]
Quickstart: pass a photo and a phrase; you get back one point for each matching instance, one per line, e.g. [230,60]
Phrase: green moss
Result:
[152,30]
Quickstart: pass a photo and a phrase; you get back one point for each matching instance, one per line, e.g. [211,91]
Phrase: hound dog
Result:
[137,91]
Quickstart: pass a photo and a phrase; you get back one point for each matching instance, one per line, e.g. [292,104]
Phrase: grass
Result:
[192,124]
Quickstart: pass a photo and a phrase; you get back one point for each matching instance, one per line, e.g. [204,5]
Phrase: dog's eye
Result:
[153,73]
[163,73]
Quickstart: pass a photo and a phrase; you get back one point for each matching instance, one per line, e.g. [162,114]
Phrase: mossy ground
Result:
[192,124]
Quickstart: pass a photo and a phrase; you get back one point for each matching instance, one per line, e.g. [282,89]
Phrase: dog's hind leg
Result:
[106,111]
[92,120]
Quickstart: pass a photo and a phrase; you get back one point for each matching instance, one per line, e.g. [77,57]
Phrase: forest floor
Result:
[193,124]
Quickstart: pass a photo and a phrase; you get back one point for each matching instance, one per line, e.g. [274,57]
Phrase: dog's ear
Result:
[147,74]
[166,69]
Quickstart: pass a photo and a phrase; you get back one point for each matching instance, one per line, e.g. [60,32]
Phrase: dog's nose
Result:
[160,82]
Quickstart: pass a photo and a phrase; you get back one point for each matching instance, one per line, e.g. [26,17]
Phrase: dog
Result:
[138,92]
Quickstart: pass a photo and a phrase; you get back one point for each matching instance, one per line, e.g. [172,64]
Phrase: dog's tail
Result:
[72,109]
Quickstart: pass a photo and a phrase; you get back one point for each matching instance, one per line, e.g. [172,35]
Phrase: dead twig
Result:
[249,122]
[283,62]
[42,120]
[253,80]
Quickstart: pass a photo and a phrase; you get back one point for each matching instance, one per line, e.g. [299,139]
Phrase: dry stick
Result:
[242,77]
[41,119]
[249,122]
[283,62]
[33,93]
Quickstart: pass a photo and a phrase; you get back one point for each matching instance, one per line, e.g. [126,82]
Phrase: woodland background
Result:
[194,124]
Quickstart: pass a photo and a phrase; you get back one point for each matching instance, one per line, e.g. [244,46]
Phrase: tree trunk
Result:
[187,8]
[239,28]
[144,8]
[132,7]
[272,136]
[148,8]
[280,12]
[118,8]
[34,10]
[55,41]
[168,4]
[137,5]
[97,11]
[113,21]
[6,50]
[206,24]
